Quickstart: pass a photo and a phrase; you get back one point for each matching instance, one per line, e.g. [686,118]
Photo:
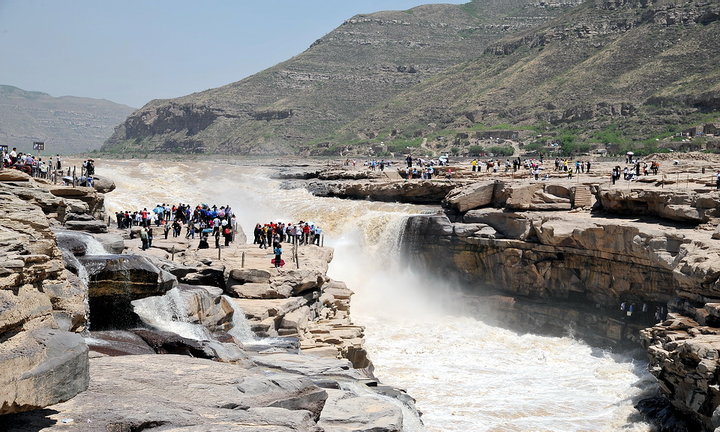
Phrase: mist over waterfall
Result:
[466,375]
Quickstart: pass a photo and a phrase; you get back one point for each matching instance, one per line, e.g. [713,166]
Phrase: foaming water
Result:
[169,312]
[466,375]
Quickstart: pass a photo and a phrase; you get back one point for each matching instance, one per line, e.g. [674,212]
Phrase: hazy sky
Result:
[132,51]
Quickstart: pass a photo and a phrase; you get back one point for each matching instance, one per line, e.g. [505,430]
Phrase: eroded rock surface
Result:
[42,361]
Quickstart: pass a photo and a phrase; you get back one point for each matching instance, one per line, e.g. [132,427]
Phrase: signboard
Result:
[3,148]
[38,145]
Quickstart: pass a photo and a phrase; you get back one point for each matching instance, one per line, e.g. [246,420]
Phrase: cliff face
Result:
[67,124]
[586,267]
[362,63]
[604,63]
[530,256]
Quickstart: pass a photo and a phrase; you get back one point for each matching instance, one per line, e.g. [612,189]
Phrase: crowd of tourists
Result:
[203,220]
[302,233]
[30,164]
[635,169]
[277,233]
[425,169]
[51,168]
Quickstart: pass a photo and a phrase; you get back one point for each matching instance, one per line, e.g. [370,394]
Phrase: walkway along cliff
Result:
[535,257]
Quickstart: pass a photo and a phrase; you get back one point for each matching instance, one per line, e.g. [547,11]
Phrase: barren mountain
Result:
[609,71]
[367,60]
[66,124]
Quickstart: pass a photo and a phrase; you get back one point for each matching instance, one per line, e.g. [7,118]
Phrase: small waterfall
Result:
[72,244]
[79,243]
[240,326]
[169,313]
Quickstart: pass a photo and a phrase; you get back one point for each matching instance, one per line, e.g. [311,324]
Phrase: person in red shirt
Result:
[306,234]
[144,216]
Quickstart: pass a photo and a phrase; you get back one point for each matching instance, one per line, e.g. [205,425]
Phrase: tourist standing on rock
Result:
[263,237]
[306,234]
[408,159]
[277,250]
[227,235]
[717,180]
[144,238]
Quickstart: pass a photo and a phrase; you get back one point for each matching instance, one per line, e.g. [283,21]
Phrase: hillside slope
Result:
[633,68]
[67,124]
[368,59]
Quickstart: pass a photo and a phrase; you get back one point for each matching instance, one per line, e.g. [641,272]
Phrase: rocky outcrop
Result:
[42,361]
[685,359]
[302,303]
[278,394]
[470,197]
[539,196]
[586,263]
[411,191]
[682,206]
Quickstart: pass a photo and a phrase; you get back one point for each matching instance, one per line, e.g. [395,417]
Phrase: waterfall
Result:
[464,373]
[72,243]
[240,330]
[79,243]
[169,312]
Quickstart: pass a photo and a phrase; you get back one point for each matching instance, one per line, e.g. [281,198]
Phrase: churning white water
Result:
[169,312]
[466,375]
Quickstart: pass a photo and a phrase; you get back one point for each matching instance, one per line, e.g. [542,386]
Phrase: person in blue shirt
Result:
[277,250]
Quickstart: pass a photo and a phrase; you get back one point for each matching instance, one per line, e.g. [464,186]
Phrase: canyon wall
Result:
[536,258]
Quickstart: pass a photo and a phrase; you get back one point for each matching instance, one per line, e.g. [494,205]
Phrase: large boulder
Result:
[408,191]
[13,175]
[508,224]
[682,206]
[41,367]
[112,242]
[103,184]
[470,197]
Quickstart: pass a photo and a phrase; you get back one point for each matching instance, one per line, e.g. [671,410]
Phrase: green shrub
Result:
[501,150]
[475,150]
